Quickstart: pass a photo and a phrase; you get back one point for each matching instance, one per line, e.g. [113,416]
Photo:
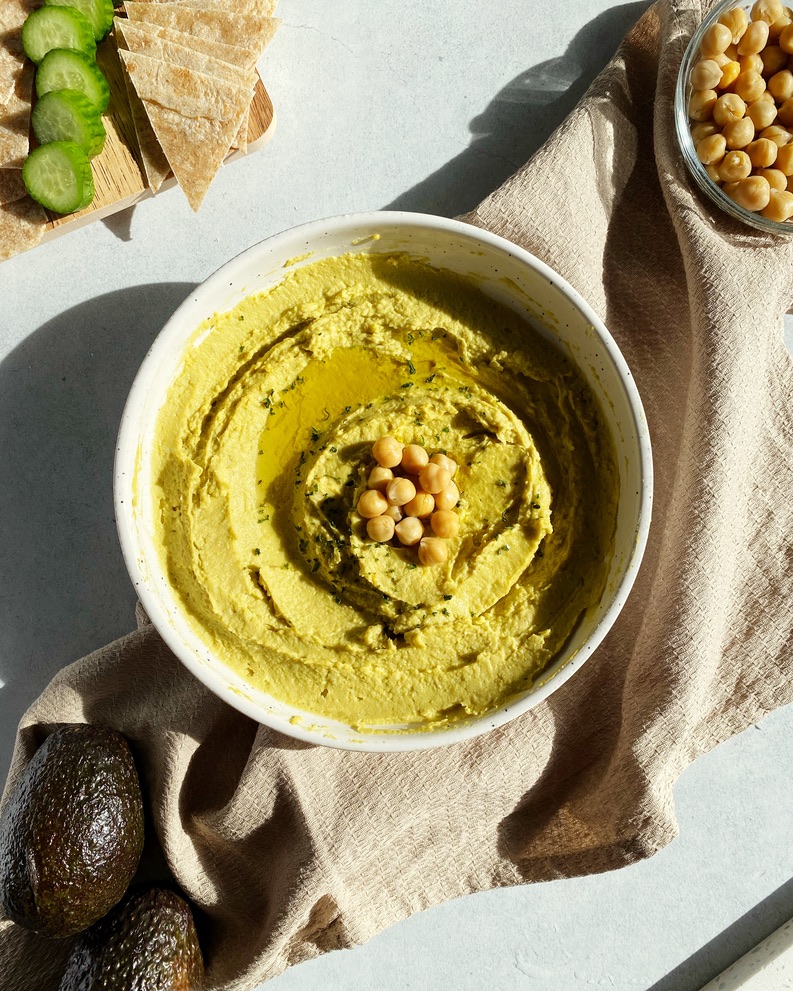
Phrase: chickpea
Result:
[394,512]
[790,184]
[380,528]
[400,491]
[421,505]
[749,86]
[773,59]
[445,523]
[448,497]
[721,59]
[712,149]
[780,206]
[701,104]
[762,113]
[752,193]
[785,114]
[729,74]
[786,40]
[776,29]
[379,478]
[716,39]
[737,21]
[728,107]
[414,457]
[767,10]
[762,153]
[751,63]
[738,133]
[734,166]
[372,503]
[432,550]
[445,462]
[729,188]
[776,179]
[434,479]
[780,85]
[387,452]
[706,74]
[704,130]
[754,39]
[784,159]
[409,531]
[779,135]
[713,172]
[731,51]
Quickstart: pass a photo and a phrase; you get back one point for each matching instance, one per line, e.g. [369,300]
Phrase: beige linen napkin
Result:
[290,850]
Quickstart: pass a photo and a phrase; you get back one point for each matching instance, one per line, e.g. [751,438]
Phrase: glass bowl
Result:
[686,143]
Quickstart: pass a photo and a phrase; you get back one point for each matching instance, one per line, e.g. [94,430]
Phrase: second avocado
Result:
[71,832]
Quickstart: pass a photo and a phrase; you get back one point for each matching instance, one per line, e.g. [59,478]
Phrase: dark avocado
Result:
[147,943]
[71,832]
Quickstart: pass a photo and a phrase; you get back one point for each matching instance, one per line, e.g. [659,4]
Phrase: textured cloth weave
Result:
[289,850]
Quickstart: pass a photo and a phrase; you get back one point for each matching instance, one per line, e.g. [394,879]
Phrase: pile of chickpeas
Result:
[741,104]
[411,498]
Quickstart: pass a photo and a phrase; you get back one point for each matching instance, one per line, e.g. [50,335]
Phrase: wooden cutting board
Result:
[119,180]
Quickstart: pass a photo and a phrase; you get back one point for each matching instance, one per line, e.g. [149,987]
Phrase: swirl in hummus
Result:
[262,451]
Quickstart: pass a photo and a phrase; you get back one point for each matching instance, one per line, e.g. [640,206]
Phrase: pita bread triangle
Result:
[224,25]
[137,39]
[16,84]
[195,118]
[22,225]
[245,58]
[12,187]
[262,8]
[151,159]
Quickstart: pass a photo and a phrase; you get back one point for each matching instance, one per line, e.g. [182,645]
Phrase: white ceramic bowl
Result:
[504,271]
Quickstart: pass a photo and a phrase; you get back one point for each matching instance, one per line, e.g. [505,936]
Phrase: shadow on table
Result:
[730,945]
[63,586]
[520,118]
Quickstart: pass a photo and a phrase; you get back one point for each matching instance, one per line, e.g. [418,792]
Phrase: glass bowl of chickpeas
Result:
[734,111]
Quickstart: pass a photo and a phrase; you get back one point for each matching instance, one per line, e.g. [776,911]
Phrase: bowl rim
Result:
[686,145]
[212,677]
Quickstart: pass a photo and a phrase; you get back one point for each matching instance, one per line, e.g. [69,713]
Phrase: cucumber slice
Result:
[66,115]
[65,68]
[98,13]
[58,176]
[56,27]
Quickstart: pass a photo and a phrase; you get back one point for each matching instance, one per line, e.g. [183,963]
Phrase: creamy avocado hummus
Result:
[262,451]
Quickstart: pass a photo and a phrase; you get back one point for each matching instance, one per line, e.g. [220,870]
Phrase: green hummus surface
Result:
[263,448]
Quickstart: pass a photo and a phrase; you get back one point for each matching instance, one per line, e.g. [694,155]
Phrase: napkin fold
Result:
[290,850]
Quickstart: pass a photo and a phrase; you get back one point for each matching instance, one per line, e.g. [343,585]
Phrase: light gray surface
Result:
[423,105]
